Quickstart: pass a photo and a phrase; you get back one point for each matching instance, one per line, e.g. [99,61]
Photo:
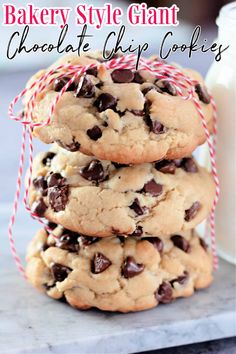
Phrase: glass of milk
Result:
[221,80]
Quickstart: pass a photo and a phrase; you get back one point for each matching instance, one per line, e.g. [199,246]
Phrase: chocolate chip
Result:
[74,146]
[138,112]
[105,101]
[178,162]
[39,207]
[58,197]
[92,71]
[155,126]
[165,166]
[60,272]
[48,159]
[56,179]
[88,240]
[130,268]
[60,82]
[180,242]
[94,133]
[86,89]
[153,188]
[93,171]
[164,293]
[189,165]
[51,225]
[149,88]
[122,76]
[100,263]
[137,232]
[138,79]
[68,241]
[202,93]
[40,183]
[156,241]
[167,87]
[182,279]
[192,211]
[203,244]
[121,238]
[137,208]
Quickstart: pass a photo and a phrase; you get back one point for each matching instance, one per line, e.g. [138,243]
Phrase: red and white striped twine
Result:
[158,68]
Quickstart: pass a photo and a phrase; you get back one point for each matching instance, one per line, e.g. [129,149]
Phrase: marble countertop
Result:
[31,323]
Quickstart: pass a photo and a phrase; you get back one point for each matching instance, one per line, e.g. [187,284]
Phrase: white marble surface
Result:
[34,324]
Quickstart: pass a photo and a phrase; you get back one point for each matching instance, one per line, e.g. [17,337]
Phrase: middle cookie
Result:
[102,198]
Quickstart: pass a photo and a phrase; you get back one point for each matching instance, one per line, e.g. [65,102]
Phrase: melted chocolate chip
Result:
[48,159]
[74,146]
[153,188]
[92,71]
[100,263]
[94,133]
[122,76]
[40,184]
[155,126]
[203,244]
[157,243]
[202,94]
[192,211]
[39,207]
[138,79]
[180,242]
[105,101]
[51,225]
[86,89]
[137,208]
[166,166]
[149,88]
[167,87]
[68,241]
[58,197]
[182,279]
[137,112]
[93,171]
[56,179]
[137,232]
[164,293]
[60,272]
[189,165]
[121,238]
[177,162]
[59,83]
[130,268]
[88,240]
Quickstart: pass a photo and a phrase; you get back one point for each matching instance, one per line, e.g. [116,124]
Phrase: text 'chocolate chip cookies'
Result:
[119,188]
[121,115]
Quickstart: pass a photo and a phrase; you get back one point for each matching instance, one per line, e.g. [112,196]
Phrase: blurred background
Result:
[15,73]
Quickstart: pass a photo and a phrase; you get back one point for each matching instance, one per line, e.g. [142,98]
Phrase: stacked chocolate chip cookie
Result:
[120,190]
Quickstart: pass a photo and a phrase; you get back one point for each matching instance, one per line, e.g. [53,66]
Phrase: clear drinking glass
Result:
[221,80]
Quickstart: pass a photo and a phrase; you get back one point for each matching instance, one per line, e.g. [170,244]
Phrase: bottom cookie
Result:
[117,273]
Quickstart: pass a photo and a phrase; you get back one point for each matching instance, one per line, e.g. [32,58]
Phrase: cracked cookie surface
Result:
[102,198]
[118,273]
[121,115]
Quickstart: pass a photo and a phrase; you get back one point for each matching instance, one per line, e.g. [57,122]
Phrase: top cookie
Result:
[121,115]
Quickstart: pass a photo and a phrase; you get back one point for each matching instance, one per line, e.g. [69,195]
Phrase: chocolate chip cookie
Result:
[118,273]
[121,115]
[102,198]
